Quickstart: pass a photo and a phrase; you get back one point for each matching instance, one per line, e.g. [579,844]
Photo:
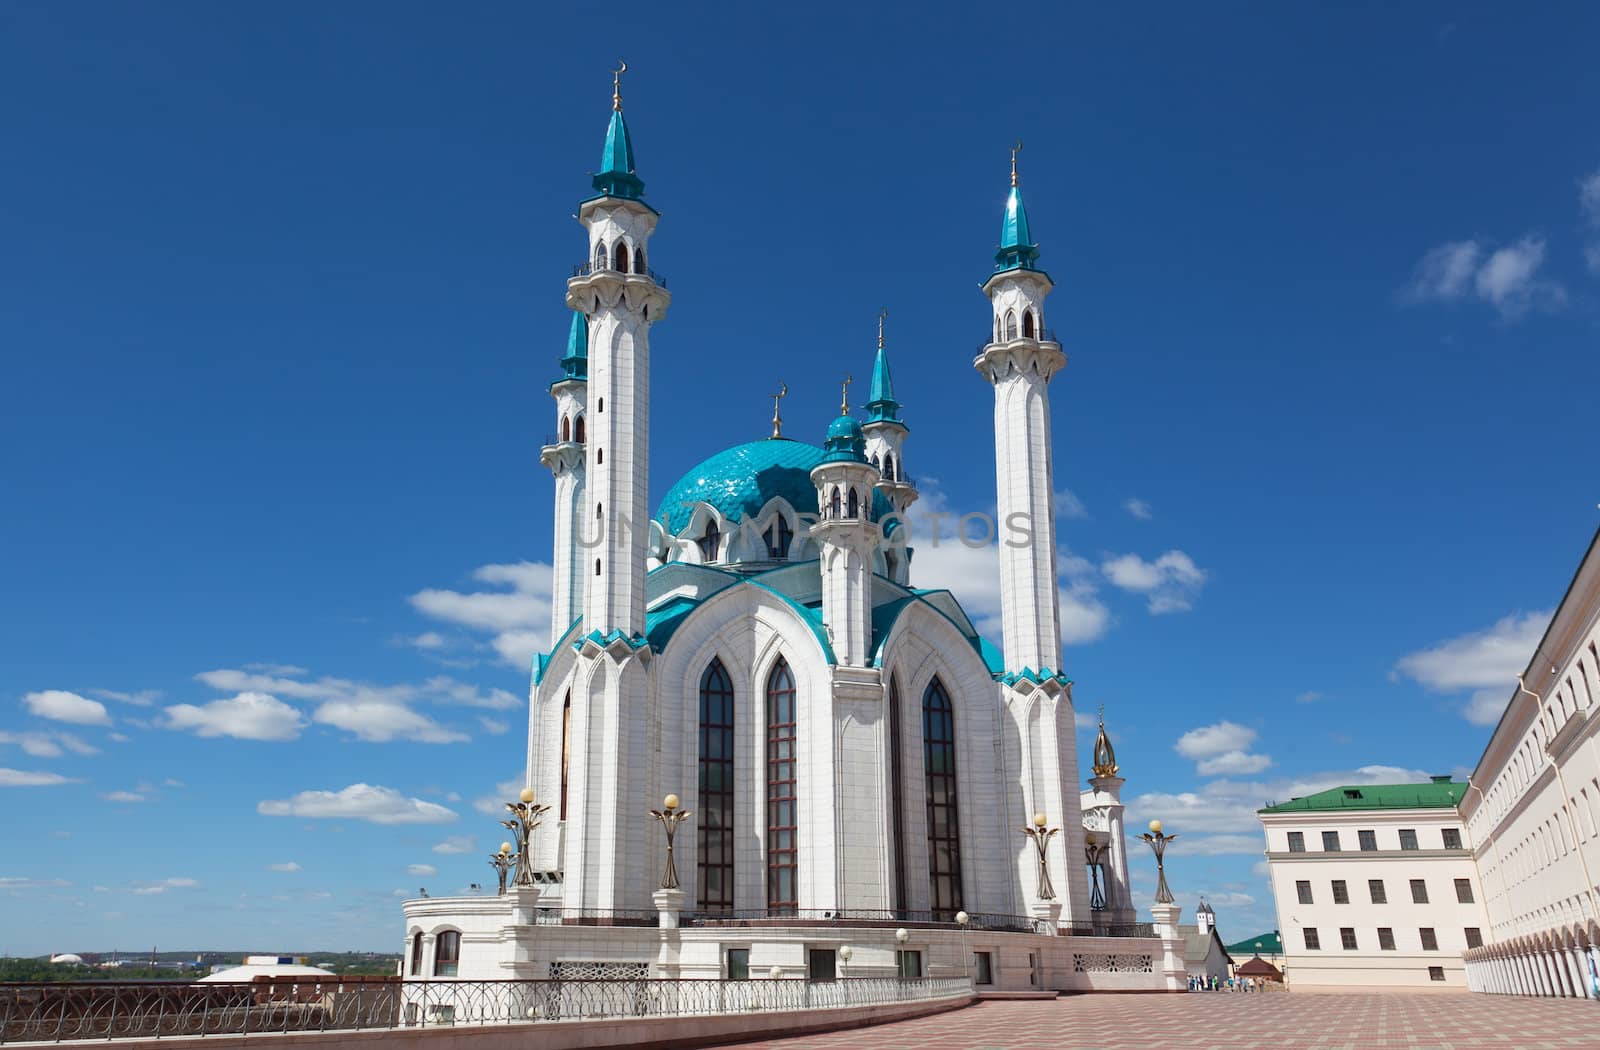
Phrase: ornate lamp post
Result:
[1158,843]
[1093,852]
[501,863]
[1041,837]
[962,918]
[844,959]
[524,818]
[670,817]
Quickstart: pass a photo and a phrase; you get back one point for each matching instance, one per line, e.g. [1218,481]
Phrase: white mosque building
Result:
[858,762]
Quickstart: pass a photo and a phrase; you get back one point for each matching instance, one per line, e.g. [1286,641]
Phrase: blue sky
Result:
[282,289]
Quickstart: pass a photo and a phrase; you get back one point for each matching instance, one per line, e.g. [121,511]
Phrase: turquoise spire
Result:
[883,408]
[1017,250]
[616,177]
[576,362]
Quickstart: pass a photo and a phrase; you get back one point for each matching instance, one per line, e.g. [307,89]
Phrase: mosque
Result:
[857,763]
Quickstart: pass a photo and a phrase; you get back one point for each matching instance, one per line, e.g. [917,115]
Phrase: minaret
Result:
[622,299]
[565,458]
[1020,361]
[846,535]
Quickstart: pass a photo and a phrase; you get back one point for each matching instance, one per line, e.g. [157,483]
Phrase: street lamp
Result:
[501,863]
[1093,852]
[524,818]
[670,817]
[775,973]
[1041,836]
[845,954]
[962,918]
[1158,842]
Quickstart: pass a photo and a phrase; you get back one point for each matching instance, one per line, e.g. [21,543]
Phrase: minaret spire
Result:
[1014,151]
[886,435]
[616,104]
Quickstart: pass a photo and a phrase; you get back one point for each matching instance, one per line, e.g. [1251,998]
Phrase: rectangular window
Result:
[1033,968]
[1385,938]
[1430,940]
[907,964]
[1303,890]
[1419,891]
[1330,841]
[1297,842]
[1452,838]
[1369,841]
[738,964]
[1312,943]
[982,968]
[1463,891]
[1341,892]
[1436,973]
[1408,838]
[1347,938]
[1474,937]
[446,953]
[416,953]
[1379,894]
[820,964]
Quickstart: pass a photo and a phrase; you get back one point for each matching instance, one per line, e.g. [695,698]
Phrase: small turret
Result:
[886,433]
[846,536]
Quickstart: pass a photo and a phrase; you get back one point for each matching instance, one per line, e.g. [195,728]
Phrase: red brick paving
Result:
[1231,1021]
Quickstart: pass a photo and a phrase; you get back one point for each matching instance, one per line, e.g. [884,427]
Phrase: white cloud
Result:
[247,716]
[1229,806]
[425,871]
[17,882]
[377,721]
[456,844]
[495,804]
[26,778]
[1223,845]
[62,706]
[492,726]
[1216,739]
[1310,696]
[427,641]
[1068,505]
[124,796]
[516,619]
[1506,277]
[47,745]
[146,889]
[372,712]
[1138,508]
[1486,662]
[1233,763]
[143,698]
[286,866]
[1172,581]
[378,805]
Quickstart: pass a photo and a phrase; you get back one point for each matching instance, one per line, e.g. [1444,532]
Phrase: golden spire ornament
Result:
[616,90]
[881,315]
[1105,759]
[1014,151]
[844,394]
[777,420]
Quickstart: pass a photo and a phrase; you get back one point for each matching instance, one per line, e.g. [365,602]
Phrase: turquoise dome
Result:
[845,428]
[739,481]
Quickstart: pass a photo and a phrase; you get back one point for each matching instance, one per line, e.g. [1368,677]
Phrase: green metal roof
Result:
[886,615]
[883,408]
[1440,793]
[616,176]
[1017,250]
[575,365]
[1262,944]
[845,442]
[739,481]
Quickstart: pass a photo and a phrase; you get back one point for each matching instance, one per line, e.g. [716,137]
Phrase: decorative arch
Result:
[1011,325]
[897,830]
[416,953]
[601,259]
[566,749]
[853,504]
[944,826]
[446,952]
[833,504]
[566,429]
[622,257]
[1027,324]
[716,818]
[783,824]
[638,262]
[888,468]
[578,430]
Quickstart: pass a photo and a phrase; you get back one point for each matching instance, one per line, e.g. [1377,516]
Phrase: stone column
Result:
[1166,924]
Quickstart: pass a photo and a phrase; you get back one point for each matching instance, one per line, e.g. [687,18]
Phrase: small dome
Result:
[845,441]
[739,481]
[845,428]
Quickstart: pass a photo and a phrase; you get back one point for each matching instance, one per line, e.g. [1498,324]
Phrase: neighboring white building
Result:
[1204,954]
[1375,886]
[855,755]
[1534,811]
[265,966]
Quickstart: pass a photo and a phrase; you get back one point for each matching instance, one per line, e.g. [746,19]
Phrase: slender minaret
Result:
[886,435]
[564,457]
[846,536]
[615,288]
[1020,361]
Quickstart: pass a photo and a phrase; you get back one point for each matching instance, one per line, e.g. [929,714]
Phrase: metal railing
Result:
[1111,929]
[863,917]
[584,269]
[147,1010]
[1046,335]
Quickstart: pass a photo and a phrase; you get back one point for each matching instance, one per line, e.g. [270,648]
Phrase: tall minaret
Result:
[847,536]
[886,434]
[615,288]
[1020,361]
[564,456]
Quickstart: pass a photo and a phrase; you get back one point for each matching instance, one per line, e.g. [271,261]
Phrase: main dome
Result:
[739,481]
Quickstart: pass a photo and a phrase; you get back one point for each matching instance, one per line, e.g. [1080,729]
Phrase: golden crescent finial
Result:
[844,394]
[777,420]
[1014,151]
[616,84]
[881,315]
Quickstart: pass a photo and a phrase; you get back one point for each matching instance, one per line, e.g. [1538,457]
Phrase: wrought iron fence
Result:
[146,1010]
[584,269]
[1111,929]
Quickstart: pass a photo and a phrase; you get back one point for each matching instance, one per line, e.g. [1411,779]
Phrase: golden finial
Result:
[777,420]
[881,315]
[1014,151]
[616,91]
[1105,759]
[844,394]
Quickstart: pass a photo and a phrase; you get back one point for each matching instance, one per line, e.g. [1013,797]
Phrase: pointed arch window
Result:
[853,506]
[715,827]
[416,953]
[1027,324]
[566,749]
[888,468]
[783,825]
[622,257]
[577,431]
[566,429]
[1011,325]
[601,260]
[944,831]
[833,504]
[708,542]
[638,261]
[897,835]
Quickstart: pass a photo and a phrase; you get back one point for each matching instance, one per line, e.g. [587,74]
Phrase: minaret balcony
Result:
[1048,335]
[561,456]
[640,291]
[586,269]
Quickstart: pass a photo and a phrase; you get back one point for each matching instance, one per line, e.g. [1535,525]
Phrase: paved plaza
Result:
[1223,1021]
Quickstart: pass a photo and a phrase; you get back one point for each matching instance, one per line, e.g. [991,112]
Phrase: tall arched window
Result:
[601,260]
[944,830]
[566,429]
[622,257]
[715,828]
[1027,324]
[416,953]
[708,542]
[897,834]
[783,847]
[1011,325]
[577,431]
[447,953]
[833,504]
[853,506]
[638,262]
[566,748]
[888,468]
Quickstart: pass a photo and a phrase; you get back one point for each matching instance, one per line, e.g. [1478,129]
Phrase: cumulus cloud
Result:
[1223,845]
[1232,763]
[142,698]
[425,871]
[517,618]
[455,844]
[1222,749]
[247,716]
[27,778]
[48,744]
[372,803]
[1068,505]
[286,866]
[62,706]
[1229,806]
[1138,508]
[1171,582]
[377,721]
[1506,277]
[1485,662]
[493,726]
